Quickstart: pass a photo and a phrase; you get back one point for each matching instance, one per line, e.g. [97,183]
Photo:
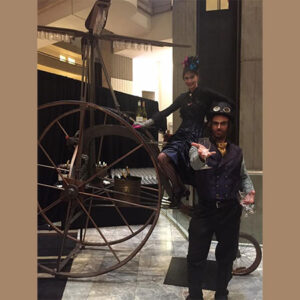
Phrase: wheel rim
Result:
[81,195]
[248,257]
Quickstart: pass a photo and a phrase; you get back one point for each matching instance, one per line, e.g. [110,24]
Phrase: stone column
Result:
[251,84]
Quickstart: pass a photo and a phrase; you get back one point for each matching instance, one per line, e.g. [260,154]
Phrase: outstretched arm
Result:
[198,153]
[160,115]
[159,118]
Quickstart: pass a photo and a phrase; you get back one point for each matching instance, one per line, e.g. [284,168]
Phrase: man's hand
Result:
[203,151]
[249,199]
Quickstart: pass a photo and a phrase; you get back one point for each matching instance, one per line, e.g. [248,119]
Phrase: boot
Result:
[221,295]
[176,198]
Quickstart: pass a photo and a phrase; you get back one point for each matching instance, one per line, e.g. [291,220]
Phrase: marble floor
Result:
[142,277]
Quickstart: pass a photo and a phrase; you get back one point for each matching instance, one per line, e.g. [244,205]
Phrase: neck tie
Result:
[222,148]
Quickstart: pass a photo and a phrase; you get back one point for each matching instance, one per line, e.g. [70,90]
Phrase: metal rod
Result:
[72,161]
[82,70]
[117,105]
[80,144]
[101,139]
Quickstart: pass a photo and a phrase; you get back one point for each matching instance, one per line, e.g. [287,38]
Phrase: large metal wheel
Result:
[75,191]
[249,255]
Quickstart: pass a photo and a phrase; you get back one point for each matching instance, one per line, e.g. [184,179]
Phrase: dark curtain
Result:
[52,87]
[218,47]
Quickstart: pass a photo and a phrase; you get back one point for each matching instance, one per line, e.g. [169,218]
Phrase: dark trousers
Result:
[224,223]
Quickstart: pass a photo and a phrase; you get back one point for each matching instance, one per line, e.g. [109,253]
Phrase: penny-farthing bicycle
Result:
[72,186]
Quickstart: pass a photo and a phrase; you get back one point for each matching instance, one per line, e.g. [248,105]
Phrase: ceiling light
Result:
[62,58]
[71,60]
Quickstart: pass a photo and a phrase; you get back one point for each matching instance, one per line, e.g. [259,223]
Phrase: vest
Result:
[223,181]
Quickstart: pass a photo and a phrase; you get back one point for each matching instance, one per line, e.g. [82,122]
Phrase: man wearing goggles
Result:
[218,210]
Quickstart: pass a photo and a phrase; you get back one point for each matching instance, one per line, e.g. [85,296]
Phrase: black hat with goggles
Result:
[221,108]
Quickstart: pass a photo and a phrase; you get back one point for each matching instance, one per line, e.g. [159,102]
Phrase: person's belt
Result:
[226,202]
[219,203]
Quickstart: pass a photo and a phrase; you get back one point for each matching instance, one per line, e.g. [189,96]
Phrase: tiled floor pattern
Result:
[142,277]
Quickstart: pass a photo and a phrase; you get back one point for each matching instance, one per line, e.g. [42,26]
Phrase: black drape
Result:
[218,47]
[52,87]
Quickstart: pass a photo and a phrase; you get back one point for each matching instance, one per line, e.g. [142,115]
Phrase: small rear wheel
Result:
[249,255]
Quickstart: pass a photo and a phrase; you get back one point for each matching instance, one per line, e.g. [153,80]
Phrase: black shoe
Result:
[186,194]
[223,296]
[176,198]
[175,201]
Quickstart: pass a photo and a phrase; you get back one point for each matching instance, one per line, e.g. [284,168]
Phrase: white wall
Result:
[155,73]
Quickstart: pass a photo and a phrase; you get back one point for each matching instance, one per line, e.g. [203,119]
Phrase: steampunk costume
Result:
[217,212]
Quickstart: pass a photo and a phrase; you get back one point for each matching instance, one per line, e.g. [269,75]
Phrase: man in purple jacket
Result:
[218,210]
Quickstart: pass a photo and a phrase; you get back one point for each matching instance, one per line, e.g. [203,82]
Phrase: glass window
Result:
[217,4]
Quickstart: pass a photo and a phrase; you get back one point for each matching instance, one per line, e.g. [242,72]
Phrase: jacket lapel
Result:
[227,157]
[216,157]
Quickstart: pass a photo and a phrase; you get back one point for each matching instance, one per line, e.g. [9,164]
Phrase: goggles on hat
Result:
[220,109]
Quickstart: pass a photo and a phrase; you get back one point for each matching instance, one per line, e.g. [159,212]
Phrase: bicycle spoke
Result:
[70,211]
[117,200]
[99,231]
[63,130]
[50,167]
[44,210]
[149,194]
[137,197]
[99,173]
[149,188]
[51,186]
[55,121]
[87,221]
[120,213]
[52,162]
